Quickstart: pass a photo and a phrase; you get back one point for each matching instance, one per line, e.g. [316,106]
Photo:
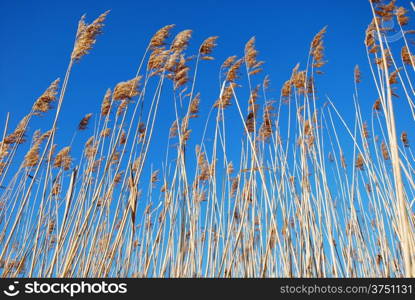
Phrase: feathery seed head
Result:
[181,41]
[233,70]
[207,46]
[400,13]
[63,159]
[106,103]
[159,38]
[43,103]
[32,157]
[84,122]
[86,36]
[127,89]
[404,139]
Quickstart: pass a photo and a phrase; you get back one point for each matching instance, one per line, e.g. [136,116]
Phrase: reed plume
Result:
[86,35]
[43,103]
[159,38]
[127,89]
[84,122]
[63,159]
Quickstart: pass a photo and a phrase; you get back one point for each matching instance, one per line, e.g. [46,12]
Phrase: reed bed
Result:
[298,191]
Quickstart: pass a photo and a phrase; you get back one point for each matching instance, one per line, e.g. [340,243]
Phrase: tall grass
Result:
[299,191]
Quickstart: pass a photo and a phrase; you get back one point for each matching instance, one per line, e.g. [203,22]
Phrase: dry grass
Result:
[298,192]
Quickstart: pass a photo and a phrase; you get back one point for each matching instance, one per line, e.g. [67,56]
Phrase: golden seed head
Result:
[56,189]
[250,122]
[228,62]
[157,60]
[3,150]
[127,89]
[234,70]
[365,131]
[377,105]
[404,139]
[406,56]
[137,163]
[370,41]
[266,82]
[251,58]
[225,99]
[106,132]
[266,129]
[286,90]
[359,162]
[106,103]
[46,135]
[180,76]
[400,13]
[393,77]
[207,46]
[122,106]
[32,157]
[385,152]
[86,35]
[43,103]
[91,148]
[230,169]
[63,159]
[154,177]
[181,41]
[123,138]
[194,105]
[173,129]
[159,38]
[84,122]
[118,177]
[385,11]
[18,135]
[317,48]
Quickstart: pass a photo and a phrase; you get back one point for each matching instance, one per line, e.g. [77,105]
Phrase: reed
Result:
[297,192]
